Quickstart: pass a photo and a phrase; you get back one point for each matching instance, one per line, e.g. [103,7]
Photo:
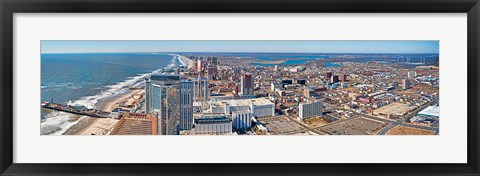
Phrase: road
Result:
[305,126]
[389,127]
[401,121]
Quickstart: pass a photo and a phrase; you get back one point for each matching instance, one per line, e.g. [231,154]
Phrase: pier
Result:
[75,110]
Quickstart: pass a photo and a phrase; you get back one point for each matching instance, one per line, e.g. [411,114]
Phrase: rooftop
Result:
[163,77]
[243,102]
[431,111]
[136,124]
[212,119]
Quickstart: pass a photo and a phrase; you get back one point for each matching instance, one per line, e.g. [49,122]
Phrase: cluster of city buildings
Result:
[222,95]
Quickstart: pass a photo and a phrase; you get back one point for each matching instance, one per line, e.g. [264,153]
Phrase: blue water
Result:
[332,64]
[292,59]
[83,79]
[72,76]
[290,56]
[288,62]
[302,58]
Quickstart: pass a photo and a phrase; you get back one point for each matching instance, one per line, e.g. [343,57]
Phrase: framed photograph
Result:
[234,87]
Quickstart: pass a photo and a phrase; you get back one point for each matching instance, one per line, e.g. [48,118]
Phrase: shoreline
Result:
[108,103]
[100,126]
[191,63]
[278,62]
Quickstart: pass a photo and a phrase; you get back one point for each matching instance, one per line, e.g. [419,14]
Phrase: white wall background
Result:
[449,146]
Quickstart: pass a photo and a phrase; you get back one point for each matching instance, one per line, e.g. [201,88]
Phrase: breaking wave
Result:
[56,123]
[121,87]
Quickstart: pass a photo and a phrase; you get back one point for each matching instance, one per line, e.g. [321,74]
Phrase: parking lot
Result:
[281,125]
[354,126]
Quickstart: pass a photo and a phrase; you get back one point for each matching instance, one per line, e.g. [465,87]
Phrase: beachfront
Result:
[129,99]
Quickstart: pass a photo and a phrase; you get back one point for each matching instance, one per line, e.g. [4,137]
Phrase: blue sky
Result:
[301,46]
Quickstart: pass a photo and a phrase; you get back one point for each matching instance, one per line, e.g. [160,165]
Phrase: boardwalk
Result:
[75,110]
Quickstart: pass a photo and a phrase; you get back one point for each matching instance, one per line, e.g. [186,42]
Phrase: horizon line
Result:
[268,52]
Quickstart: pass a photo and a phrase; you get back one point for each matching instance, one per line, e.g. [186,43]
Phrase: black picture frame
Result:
[9,7]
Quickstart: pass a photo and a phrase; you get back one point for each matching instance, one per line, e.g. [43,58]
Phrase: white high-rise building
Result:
[307,110]
[411,74]
[406,84]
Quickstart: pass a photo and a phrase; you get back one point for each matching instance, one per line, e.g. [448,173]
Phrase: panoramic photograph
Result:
[239,87]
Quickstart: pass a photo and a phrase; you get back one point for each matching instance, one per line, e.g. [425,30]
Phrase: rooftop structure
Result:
[136,124]
[213,125]
[243,102]
[259,107]
[431,111]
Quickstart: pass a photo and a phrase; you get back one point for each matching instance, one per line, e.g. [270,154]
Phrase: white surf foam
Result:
[184,61]
[121,87]
[56,123]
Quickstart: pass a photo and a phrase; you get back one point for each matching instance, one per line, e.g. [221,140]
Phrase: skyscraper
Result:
[163,97]
[247,84]
[328,75]
[148,92]
[212,72]
[186,105]
[411,74]
[212,60]
[406,84]
[199,65]
[334,79]
[200,89]
[343,77]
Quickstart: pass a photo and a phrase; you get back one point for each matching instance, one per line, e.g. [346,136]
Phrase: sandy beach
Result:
[100,126]
[108,104]
[191,63]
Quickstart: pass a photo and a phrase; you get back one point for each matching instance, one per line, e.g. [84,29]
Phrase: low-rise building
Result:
[213,125]
[241,120]
[259,107]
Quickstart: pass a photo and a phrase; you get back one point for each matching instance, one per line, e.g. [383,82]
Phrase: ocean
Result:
[83,79]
